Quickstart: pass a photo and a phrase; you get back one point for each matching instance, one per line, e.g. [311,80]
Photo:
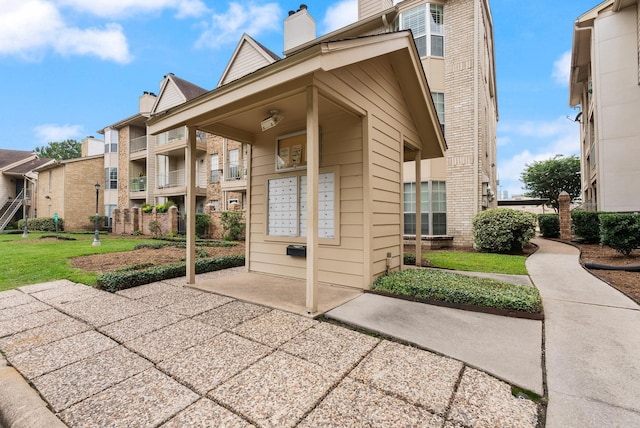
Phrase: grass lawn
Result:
[477,262]
[32,260]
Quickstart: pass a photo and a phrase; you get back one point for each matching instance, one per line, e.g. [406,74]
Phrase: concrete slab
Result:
[509,348]
[276,292]
[591,340]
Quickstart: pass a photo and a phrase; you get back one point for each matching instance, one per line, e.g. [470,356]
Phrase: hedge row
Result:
[586,225]
[549,225]
[618,231]
[503,230]
[45,224]
[123,279]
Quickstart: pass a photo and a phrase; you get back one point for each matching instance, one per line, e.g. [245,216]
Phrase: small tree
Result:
[60,150]
[547,179]
[232,225]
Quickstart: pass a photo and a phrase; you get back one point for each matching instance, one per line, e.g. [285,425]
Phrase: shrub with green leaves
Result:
[549,225]
[123,279]
[503,230]
[431,284]
[620,232]
[586,225]
[232,225]
[45,224]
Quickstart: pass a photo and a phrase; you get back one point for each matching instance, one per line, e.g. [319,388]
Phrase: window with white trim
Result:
[433,208]
[426,22]
[111,178]
[287,206]
[438,102]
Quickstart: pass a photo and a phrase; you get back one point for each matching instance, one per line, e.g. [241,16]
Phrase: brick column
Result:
[564,201]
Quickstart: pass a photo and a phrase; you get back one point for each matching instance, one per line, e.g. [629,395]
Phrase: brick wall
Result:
[80,178]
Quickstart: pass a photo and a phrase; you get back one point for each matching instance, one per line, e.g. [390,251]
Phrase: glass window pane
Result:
[421,45]
[424,201]
[439,223]
[424,218]
[409,223]
[437,19]
[437,46]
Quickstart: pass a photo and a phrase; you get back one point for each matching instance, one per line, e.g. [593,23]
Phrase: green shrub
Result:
[620,232]
[103,220]
[232,225]
[549,225]
[60,237]
[586,225]
[202,223]
[155,228]
[44,224]
[146,208]
[455,288]
[163,208]
[503,230]
[122,279]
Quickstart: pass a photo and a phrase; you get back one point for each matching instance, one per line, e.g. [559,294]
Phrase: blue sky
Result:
[71,67]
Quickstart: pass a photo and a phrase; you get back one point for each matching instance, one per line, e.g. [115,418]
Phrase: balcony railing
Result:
[179,134]
[177,179]
[138,144]
[235,172]
[138,184]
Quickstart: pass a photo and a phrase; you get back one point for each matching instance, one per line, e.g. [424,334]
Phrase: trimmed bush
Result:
[232,225]
[123,279]
[620,232]
[503,230]
[45,224]
[586,225]
[549,225]
[455,288]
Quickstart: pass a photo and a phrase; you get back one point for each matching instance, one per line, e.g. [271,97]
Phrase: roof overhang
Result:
[134,120]
[235,110]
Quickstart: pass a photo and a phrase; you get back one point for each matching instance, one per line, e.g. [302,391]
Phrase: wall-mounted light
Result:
[272,120]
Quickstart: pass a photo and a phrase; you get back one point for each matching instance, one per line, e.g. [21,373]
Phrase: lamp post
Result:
[96,236]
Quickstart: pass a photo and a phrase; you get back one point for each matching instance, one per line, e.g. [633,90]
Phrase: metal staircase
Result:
[10,209]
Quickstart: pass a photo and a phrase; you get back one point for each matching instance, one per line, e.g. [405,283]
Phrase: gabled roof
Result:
[29,166]
[249,56]
[175,91]
[12,158]
[235,110]
[54,163]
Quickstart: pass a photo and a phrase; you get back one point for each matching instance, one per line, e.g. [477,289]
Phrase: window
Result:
[433,208]
[215,203]
[110,140]
[438,102]
[287,204]
[214,176]
[111,178]
[427,33]
[234,165]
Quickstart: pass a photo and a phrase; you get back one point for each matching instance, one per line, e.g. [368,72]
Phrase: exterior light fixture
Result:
[272,120]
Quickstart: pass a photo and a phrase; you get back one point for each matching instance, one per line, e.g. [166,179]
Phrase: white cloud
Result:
[51,132]
[539,140]
[250,18]
[562,69]
[340,15]
[29,28]
[128,8]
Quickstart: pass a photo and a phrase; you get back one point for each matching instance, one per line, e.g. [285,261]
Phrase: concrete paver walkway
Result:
[165,355]
[592,343]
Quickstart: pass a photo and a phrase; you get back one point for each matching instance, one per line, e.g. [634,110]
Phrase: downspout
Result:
[476,97]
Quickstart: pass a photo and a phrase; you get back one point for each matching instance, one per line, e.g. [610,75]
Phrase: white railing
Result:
[177,178]
[235,171]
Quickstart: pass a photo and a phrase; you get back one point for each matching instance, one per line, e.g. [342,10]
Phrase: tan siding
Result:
[170,97]
[247,61]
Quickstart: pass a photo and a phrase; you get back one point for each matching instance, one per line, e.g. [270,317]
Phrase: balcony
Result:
[235,177]
[175,183]
[138,184]
[138,144]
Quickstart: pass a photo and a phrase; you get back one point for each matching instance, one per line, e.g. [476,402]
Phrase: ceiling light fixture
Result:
[272,120]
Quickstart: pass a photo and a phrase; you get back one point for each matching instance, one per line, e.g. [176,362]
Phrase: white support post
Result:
[313,169]
[191,205]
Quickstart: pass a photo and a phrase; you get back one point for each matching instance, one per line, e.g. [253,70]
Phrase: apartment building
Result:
[605,79]
[455,41]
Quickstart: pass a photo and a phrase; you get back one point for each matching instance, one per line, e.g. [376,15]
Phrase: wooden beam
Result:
[418,208]
[313,169]
[191,205]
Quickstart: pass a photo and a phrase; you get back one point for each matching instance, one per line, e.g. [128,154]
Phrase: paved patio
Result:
[166,355]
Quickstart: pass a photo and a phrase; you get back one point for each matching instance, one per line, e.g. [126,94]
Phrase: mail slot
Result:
[297,250]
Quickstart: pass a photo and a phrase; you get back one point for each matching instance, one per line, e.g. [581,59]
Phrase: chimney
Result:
[367,8]
[299,28]
[146,102]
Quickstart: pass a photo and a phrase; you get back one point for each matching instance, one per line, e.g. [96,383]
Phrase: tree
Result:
[547,179]
[67,149]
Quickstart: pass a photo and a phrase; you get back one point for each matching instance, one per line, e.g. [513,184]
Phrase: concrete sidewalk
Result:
[508,348]
[171,356]
[592,343]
